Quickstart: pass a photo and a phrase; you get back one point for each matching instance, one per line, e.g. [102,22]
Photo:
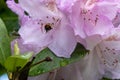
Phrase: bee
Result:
[48,27]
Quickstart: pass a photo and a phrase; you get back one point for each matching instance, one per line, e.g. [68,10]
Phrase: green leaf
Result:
[16,62]
[56,61]
[4,43]
[9,17]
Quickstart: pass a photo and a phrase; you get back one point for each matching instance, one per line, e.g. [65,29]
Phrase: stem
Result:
[23,73]
[13,76]
[44,60]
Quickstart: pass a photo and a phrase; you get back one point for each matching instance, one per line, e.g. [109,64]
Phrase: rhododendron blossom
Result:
[60,24]
[104,59]
[90,17]
[46,27]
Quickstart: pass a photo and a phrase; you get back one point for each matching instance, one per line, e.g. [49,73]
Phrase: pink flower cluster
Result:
[61,24]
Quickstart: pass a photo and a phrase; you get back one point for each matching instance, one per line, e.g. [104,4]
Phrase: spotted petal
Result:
[15,7]
[35,8]
[32,33]
[108,52]
[109,9]
[89,21]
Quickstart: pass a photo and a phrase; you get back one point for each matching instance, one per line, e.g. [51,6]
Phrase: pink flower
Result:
[90,17]
[46,27]
[104,59]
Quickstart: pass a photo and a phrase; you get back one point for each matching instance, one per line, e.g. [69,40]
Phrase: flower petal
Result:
[89,21]
[35,8]
[92,41]
[15,7]
[110,56]
[109,9]
[64,41]
[65,5]
[24,48]
[70,72]
[91,68]
[32,33]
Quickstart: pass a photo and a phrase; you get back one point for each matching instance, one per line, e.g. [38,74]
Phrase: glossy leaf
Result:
[4,43]
[17,62]
[56,61]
